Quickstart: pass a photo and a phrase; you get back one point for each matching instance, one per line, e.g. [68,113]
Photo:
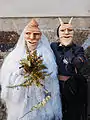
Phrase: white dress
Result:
[20,100]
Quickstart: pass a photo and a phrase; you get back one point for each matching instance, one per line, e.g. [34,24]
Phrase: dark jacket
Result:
[69,59]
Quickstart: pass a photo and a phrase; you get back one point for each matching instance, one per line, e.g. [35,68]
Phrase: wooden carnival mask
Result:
[66,32]
[32,34]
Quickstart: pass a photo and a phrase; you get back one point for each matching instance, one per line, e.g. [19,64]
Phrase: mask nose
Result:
[32,36]
[66,31]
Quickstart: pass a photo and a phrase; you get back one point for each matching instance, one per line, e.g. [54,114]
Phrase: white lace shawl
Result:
[17,101]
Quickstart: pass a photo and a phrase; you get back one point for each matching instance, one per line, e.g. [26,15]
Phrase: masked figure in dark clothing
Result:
[70,58]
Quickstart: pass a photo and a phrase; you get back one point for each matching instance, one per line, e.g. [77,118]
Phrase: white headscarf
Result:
[16,100]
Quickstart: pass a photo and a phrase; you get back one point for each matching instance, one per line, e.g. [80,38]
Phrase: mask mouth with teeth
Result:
[65,32]
[32,35]
[66,41]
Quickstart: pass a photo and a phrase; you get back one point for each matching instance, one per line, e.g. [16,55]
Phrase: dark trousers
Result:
[73,96]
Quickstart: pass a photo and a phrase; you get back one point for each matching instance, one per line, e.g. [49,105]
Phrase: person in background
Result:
[70,58]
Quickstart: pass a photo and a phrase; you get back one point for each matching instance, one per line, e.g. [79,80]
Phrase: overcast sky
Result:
[44,8]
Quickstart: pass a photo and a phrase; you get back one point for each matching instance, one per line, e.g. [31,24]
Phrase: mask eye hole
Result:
[70,30]
[27,33]
[36,33]
[62,30]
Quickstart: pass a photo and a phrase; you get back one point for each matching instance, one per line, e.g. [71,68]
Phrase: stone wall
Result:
[11,28]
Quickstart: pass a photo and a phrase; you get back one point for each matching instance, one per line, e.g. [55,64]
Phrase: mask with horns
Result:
[65,32]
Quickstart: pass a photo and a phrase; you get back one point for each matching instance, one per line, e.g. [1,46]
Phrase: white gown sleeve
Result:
[15,94]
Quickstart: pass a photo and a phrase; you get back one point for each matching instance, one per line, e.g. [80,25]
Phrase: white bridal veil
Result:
[16,99]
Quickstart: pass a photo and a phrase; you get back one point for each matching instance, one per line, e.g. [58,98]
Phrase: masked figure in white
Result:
[20,100]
